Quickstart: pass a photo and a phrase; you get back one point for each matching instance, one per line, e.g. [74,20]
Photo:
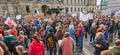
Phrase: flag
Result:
[10,22]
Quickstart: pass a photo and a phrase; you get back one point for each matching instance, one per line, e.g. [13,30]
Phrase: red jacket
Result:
[79,31]
[37,48]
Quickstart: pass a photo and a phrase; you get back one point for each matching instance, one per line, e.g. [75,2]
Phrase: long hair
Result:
[20,48]
[35,37]
[5,48]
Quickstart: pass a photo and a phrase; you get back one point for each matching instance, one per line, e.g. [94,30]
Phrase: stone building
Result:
[80,5]
[15,7]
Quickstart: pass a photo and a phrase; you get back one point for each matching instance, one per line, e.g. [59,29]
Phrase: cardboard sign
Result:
[28,18]
[39,15]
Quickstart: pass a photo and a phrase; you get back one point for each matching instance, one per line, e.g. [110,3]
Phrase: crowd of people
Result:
[60,34]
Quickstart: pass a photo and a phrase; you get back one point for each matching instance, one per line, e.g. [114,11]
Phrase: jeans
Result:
[110,37]
[53,50]
[92,37]
[80,43]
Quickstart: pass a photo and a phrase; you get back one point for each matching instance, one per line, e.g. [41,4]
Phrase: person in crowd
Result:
[111,31]
[26,40]
[37,47]
[107,52]
[99,44]
[21,50]
[27,29]
[51,41]
[9,40]
[116,48]
[13,31]
[20,28]
[59,33]
[80,36]
[33,30]
[20,41]
[72,31]
[118,27]
[5,48]
[1,37]
[37,25]
[65,29]
[106,32]
[92,32]
[41,32]
[67,44]
[1,51]
[85,30]
[2,30]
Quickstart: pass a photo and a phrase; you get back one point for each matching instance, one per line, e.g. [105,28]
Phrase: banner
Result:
[86,17]
[90,16]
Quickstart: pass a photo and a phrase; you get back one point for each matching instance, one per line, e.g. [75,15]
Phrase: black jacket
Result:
[103,46]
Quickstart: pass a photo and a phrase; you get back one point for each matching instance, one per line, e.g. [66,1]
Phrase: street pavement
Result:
[87,49]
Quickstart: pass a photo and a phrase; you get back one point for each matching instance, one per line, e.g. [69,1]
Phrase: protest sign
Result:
[39,15]
[74,14]
[28,17]
[86,17]
[18,17]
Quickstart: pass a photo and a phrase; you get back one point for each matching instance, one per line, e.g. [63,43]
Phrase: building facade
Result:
[15,7]
[112,7]
[79,5]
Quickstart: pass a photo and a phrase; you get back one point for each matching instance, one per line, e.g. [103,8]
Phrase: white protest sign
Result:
[18,17]
[90,16]
[74,14]
[82,17]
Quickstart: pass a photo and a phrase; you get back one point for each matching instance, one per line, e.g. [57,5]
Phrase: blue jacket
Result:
[106,34]
[19,43]
[72,32]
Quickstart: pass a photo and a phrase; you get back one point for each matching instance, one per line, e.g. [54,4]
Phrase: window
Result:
[81,1]
[15,9]
[78,1]
[67,1]
[4,9]
[75,9]
[84,2]
[71,9]
[74,1]
[71,1]
[81,9]
[27,9]
[67,10]
[78,9]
